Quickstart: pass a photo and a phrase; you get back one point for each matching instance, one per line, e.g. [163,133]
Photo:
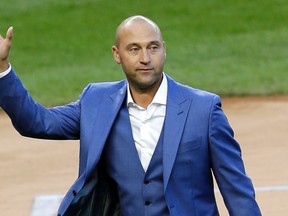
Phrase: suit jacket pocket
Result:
[189,145]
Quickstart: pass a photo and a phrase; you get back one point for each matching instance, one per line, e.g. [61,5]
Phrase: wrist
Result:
[4,66]
[7,71]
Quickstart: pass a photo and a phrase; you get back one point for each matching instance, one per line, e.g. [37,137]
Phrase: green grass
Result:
[232,48]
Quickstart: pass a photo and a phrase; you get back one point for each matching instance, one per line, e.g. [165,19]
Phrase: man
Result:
[148,145]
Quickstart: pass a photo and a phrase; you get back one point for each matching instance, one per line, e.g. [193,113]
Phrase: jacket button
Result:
[74,192]
[146,182]
[147,203]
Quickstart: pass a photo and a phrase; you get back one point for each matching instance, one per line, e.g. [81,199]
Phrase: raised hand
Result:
[5,45]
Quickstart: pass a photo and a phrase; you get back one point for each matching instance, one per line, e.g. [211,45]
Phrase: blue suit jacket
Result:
[198,141]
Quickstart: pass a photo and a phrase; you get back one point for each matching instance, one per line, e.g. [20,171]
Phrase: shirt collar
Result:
[160,96]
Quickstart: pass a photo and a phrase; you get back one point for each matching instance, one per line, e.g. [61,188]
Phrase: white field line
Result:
[46,205]
[272,188]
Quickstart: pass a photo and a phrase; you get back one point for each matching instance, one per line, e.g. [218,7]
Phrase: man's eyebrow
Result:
[128,46]
[148,43]
[133,44]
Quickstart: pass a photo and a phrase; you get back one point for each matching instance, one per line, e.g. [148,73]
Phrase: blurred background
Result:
[232,48]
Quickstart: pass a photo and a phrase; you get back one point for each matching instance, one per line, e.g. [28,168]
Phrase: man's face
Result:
[141,52]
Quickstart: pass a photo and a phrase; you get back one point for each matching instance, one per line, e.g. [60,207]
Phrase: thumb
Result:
[9,35]
[5,45]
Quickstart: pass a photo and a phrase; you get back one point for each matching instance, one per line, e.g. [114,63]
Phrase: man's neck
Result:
[143,97]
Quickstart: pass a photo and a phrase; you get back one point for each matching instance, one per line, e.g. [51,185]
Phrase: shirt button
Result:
[147,203]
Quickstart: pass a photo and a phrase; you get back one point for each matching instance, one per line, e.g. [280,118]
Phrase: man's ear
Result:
[116,54]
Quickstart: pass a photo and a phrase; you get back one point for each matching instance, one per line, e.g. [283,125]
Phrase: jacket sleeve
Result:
[227,164]
[34,120]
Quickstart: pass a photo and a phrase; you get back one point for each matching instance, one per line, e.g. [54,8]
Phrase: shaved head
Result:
[140,50]
[135,20]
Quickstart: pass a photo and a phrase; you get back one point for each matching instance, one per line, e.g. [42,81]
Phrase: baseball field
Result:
[237,49]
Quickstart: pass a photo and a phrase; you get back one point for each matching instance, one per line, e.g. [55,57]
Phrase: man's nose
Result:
[145,57]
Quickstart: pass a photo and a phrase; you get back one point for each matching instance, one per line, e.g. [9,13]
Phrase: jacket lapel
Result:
[176,114]
[102,124]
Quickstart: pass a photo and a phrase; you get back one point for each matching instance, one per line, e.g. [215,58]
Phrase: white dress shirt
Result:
[147,123]
[4,73]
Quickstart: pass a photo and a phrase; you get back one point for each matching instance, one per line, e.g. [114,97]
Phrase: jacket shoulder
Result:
[103,87]
[190,92]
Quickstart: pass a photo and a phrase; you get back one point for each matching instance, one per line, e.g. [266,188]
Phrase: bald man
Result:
[148,145]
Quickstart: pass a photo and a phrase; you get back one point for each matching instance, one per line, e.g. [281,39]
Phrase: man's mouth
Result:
[144,69]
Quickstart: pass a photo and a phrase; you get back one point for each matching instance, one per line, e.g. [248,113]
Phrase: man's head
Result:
[140,50]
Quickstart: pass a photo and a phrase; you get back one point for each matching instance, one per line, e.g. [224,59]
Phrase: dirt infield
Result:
[30,167]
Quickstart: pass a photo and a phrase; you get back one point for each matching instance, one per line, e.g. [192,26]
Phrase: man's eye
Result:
[154,48]
[134,49]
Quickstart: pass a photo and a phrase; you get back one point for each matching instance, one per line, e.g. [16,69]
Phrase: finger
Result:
[9,34]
